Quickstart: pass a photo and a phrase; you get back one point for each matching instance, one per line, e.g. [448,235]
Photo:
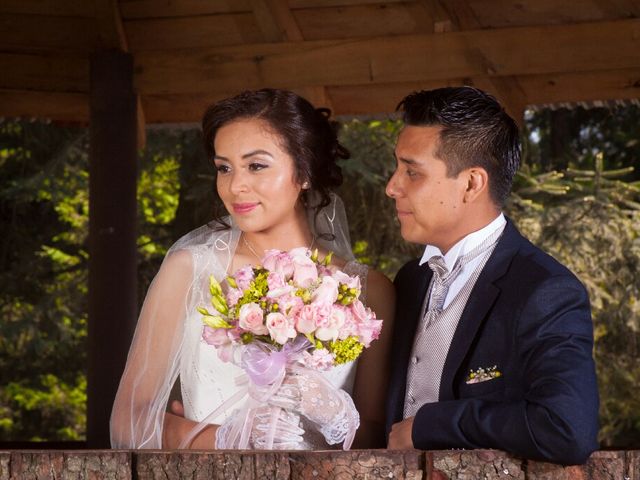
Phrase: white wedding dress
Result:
[168,344]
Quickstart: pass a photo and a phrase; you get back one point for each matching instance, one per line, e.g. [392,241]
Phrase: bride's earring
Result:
[305,185]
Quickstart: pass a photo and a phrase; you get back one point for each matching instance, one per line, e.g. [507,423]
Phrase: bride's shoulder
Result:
[213,234]
[379,284]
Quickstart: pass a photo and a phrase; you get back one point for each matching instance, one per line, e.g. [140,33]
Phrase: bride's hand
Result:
[330,409]
[287,432]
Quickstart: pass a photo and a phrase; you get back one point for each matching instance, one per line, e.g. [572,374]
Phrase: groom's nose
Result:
[391,189]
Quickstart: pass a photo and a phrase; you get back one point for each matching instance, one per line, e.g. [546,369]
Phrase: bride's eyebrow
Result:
[256,152]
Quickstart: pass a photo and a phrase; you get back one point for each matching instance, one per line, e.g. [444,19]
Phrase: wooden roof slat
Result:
[139,9]
[40,32]
[356,21]
[337,3]
[504,52]
[506,13]
[193,32]
[66,8]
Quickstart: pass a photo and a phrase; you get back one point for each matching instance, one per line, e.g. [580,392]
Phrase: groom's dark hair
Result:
[476,132]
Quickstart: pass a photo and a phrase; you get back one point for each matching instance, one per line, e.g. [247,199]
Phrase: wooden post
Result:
[112,234]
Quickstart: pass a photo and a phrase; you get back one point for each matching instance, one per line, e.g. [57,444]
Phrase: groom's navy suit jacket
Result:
[529,316]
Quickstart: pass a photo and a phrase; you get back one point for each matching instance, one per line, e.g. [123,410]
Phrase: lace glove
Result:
[330,409]
[287,433]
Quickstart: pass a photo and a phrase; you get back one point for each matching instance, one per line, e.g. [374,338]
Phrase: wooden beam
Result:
[413,58]
[582,87]
[508,92]
[112,36]
[383,98]
[345,100]
[44,72]
[66,107]
[110,28]
[112,235]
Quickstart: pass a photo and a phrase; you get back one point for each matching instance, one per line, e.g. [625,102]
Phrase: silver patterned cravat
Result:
[442,280]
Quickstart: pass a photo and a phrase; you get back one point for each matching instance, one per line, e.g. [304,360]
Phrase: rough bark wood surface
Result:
[318,465]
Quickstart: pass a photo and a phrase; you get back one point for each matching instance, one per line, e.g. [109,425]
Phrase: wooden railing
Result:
[356,464]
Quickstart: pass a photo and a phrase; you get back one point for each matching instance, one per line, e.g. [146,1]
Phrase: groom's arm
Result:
[556,418]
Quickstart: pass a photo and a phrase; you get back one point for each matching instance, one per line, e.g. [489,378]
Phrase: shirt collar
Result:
[466,244]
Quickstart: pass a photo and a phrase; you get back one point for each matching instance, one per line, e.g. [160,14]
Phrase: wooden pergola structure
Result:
[120,64]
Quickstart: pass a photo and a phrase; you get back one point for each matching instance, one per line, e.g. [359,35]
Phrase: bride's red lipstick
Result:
[242,208]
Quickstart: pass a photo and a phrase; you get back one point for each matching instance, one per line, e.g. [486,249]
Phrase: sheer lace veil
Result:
[169,328]
[330,227]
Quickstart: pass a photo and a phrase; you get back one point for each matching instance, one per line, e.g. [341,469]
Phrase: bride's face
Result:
[256,176]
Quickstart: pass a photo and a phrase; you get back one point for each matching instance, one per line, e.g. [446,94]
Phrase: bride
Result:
[275,157]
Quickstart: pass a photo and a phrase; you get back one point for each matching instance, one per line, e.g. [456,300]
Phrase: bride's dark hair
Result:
[308,134]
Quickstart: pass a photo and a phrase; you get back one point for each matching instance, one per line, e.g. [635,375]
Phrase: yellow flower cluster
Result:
[346,350]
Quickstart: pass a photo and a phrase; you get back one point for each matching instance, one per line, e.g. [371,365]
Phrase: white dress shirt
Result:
[464,246]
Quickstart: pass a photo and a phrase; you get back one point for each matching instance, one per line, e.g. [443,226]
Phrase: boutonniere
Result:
[483,374]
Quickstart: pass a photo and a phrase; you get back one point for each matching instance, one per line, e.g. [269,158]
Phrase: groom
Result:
[493,338]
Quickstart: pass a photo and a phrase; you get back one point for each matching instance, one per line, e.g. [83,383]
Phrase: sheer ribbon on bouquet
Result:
[274,400]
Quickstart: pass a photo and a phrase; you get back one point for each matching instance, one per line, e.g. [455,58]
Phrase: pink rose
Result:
[279,328]
[278,262]
[327,292]
[369,330]
[306,319]
[351,282]
[359,311]
[329,327]
[251,318]
[243,277]
[305,271]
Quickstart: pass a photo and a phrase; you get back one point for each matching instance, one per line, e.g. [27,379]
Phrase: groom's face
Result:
[429,203]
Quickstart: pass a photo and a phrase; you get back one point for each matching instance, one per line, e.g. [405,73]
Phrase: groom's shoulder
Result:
[538,263]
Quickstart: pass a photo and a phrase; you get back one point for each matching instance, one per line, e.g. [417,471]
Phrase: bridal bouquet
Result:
[291,317]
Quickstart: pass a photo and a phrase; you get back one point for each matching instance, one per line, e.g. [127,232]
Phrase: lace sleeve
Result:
[152,365]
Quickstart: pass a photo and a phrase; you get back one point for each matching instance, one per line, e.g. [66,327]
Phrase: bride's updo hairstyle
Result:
[307,134]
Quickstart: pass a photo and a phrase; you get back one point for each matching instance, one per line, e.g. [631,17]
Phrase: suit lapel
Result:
[482,298]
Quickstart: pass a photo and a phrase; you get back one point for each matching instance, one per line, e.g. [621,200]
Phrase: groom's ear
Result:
[477,184]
